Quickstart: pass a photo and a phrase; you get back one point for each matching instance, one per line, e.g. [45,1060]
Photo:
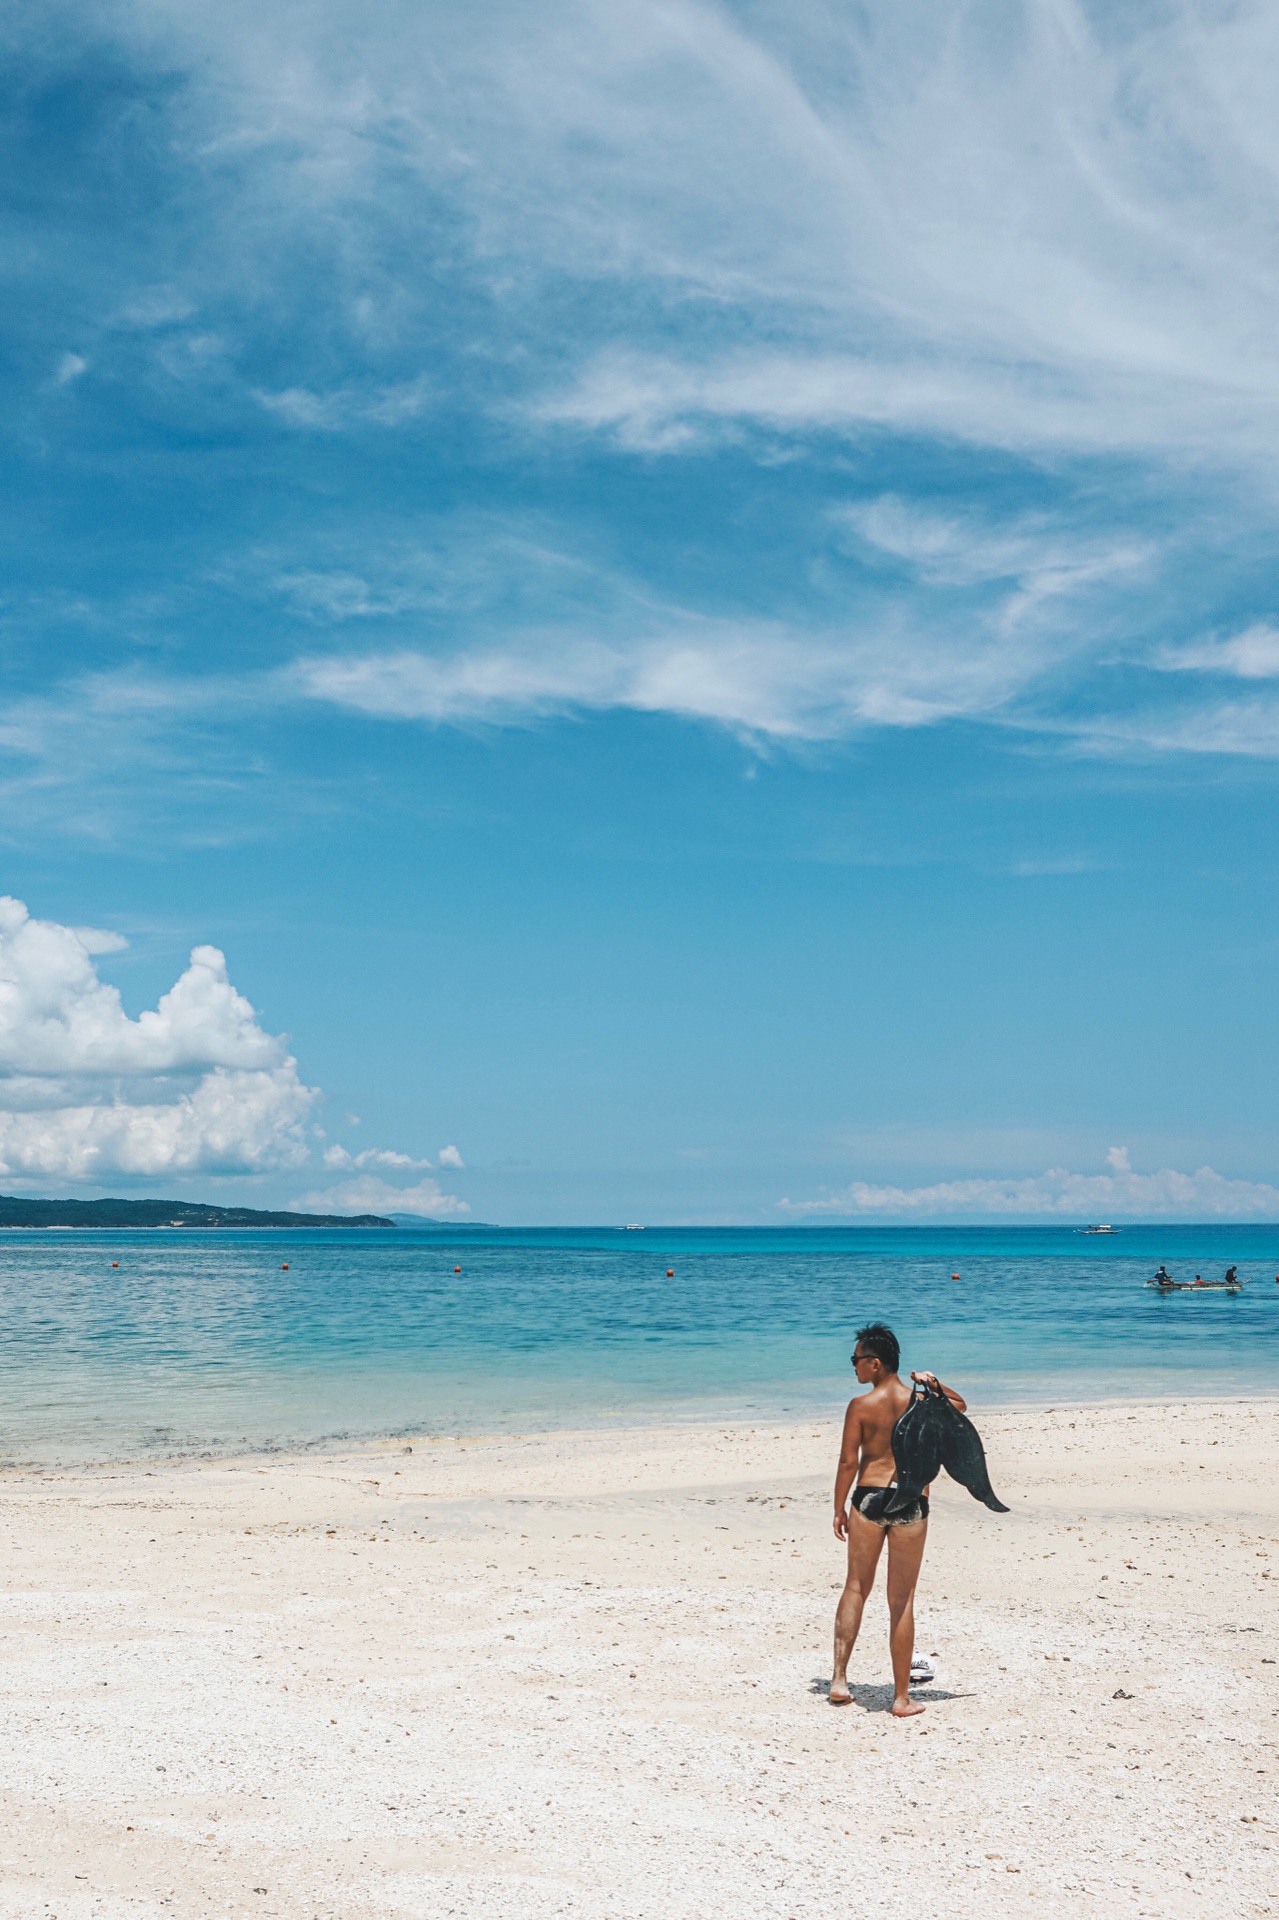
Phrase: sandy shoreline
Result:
[581,1675]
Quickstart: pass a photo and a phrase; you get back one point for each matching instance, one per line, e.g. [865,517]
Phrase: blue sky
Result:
[687,594]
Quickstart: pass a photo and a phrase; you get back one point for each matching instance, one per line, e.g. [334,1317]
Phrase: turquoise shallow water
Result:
[200,1341]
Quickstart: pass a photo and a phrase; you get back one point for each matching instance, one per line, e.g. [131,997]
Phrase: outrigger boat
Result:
[1196,1286]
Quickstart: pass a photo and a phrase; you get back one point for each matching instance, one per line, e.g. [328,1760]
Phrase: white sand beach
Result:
[583,1675]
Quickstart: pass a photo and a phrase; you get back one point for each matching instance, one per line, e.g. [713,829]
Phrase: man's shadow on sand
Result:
[880,1699]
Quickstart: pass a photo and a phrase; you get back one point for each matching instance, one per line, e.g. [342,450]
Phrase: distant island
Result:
[164,1213]
[442,1226]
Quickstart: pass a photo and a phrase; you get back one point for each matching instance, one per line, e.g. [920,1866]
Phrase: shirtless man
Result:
[865,1462]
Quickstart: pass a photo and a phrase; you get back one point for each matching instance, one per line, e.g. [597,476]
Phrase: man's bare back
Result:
[868,1432]
[865,1464]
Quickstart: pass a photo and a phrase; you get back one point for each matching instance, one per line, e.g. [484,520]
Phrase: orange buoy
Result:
[284,1266]
[670,1273]
[457,1269]
[115,1263]
[954,1276]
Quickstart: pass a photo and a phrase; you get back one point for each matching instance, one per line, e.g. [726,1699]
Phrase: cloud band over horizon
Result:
[1058,1194]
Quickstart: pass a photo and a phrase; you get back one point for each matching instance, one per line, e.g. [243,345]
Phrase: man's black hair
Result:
[879,1342]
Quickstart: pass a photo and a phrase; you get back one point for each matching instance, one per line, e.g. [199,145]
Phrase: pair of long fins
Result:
[929,1435]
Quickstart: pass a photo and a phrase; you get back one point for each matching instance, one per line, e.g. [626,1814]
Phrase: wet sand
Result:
[584,1675]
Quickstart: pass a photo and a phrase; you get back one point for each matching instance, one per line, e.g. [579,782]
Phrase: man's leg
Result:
[864,1544]
[905,1553]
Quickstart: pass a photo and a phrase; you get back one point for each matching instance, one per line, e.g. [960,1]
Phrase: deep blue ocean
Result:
[203,1342]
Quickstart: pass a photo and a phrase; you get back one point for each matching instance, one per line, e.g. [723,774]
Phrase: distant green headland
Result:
[164,1213]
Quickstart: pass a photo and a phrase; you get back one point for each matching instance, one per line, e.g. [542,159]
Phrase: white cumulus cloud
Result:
[340,1158]
[1059,1194]
[450,1157]
[371,1195]
[194,1085]
[57,1017]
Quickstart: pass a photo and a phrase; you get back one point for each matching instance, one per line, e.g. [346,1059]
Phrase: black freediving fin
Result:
[964,1458]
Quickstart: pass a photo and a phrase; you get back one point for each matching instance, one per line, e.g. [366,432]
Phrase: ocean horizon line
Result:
[853,1223]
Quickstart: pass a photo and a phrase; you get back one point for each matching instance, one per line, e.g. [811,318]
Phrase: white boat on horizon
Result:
[1103,1228]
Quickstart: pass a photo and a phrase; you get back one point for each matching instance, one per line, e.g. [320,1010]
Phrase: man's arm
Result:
[957,1400]
[849,1454]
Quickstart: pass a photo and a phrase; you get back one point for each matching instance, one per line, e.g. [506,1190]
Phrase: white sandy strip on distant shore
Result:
[582,1675]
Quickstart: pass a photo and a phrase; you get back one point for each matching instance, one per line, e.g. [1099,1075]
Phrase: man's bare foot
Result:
[839,1696]
[904,1708]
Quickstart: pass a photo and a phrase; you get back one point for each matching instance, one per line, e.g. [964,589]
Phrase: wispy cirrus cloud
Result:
[1232,729]
[756,682]
[998,606]
[1128,170]
[658,404]
[1009,622]
[657,231]
[1054,233]
[1250,655]
[330,412]
[1034,553]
